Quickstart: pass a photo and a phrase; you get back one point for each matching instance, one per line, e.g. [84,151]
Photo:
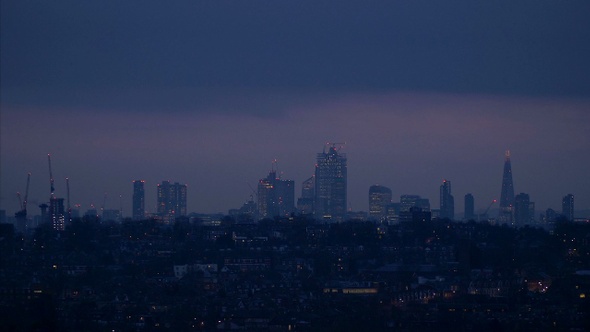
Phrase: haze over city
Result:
[210,93]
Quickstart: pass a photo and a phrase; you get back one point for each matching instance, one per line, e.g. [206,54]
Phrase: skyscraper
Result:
[171,200]
[57,213]
[275,196]
[507,195]
[330,185]
[522,209]
[447,201]
[379,199]
[567,207]
[138,200]
[305,202]
[407,202]
[469,207]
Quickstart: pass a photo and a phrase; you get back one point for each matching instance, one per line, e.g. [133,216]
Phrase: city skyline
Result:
[208,93]
[443,190]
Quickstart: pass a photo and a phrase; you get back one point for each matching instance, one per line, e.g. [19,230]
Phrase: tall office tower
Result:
[330,185]
[407,202]
[138,200]
[57,215]
[447,201]
[567,207]
[379,199]
[469,207]
[507,195]
[522,209]
[171,200]
[305,202]
[275,196]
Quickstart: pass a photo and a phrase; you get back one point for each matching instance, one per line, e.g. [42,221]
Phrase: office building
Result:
[447,201]
[522,210]
[138,200]
[330,185]
[379,199]
[469,207]
[276,197]
[305,202]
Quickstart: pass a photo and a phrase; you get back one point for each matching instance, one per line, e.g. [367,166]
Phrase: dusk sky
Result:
[208,93]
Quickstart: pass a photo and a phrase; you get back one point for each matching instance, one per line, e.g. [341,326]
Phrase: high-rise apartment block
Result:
[567,207]
[330,185]
[138,200]
[171,200]
[447,201]
[379,200]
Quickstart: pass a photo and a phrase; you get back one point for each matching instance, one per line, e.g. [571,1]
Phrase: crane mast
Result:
[27,193]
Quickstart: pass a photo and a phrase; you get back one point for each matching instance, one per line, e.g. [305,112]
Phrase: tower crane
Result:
[21,216]
[27,192]
[485,214]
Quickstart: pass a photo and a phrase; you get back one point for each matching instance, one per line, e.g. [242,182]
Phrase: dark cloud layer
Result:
[78,51]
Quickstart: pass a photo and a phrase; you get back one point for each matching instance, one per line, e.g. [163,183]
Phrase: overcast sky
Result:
[208,93]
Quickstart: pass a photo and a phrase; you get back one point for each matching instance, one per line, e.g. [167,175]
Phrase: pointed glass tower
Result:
[507,195]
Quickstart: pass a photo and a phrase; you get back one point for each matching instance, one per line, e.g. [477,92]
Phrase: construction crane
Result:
[27,192]
[20,200]
[21,216]
[336,146]
[51,184]
[485,214]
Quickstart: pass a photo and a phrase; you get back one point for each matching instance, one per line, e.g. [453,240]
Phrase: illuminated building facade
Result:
[171,200]
[379,200]
[57,213]
[276,197]
[330,185]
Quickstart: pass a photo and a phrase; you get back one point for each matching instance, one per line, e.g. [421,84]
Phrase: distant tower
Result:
[57,215]
[469,207]
[330,185]
[305,202]
[522,209]
[276,197]
[507,195]
[379,200]
[171,200]
[447,201]
[567,207]
[138,200]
